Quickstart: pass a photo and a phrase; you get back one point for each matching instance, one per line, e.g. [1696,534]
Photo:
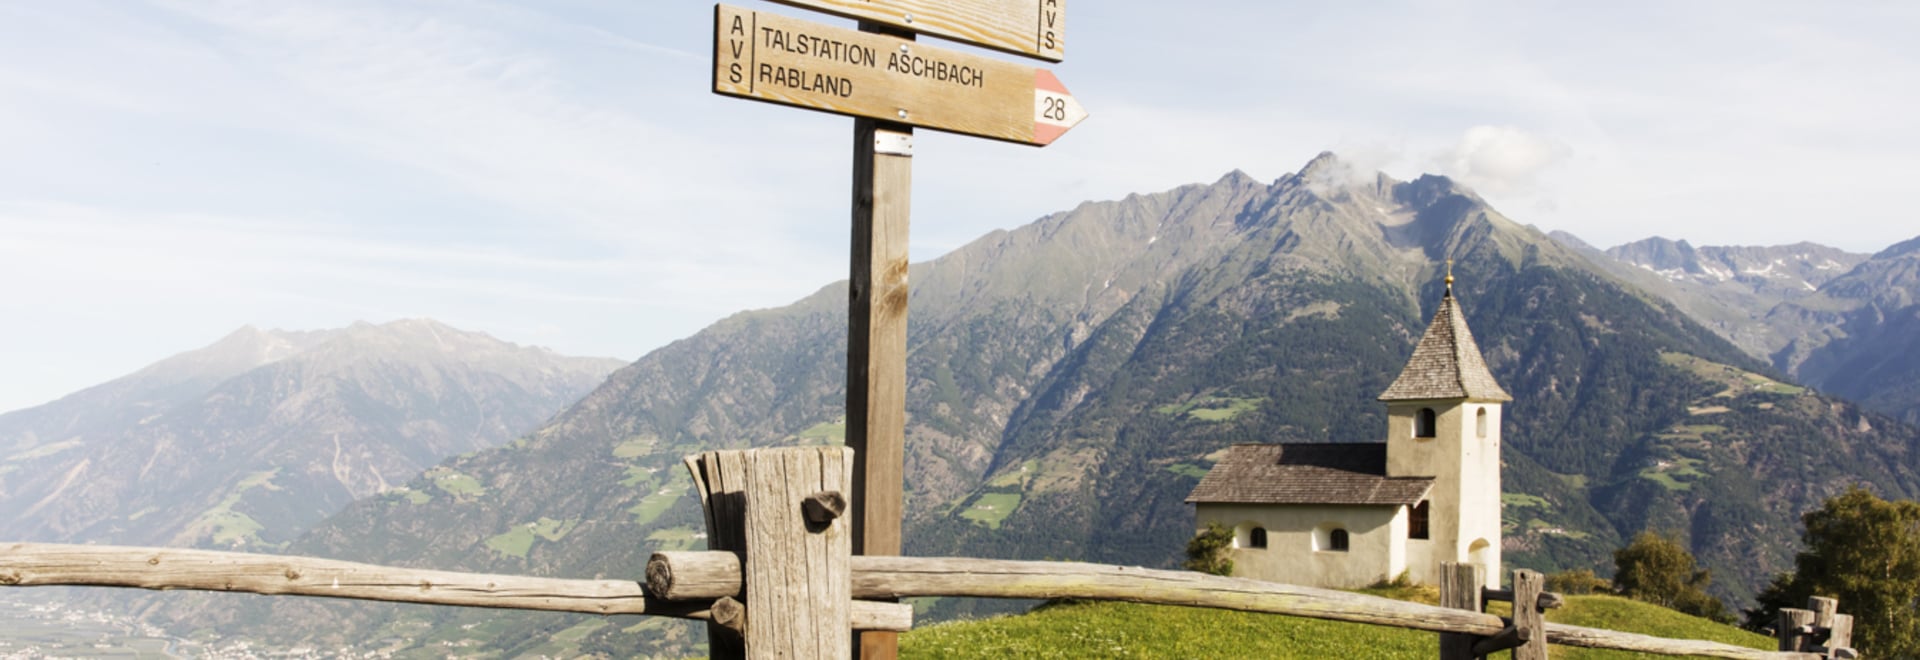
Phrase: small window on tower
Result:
[1417,521]
[1424,423]
[1480,422]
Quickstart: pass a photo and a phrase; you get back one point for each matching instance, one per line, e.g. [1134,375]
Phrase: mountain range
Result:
[1845,323]
[1070,380]
[247,442]
[1068,383]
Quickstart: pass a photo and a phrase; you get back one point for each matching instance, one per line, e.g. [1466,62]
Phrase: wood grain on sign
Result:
[1034,28]
[772,58]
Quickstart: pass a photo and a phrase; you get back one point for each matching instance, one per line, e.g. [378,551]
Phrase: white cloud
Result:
[1501,160]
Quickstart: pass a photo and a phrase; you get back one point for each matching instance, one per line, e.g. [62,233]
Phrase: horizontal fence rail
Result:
[688,583]
[714,574]
[52,564]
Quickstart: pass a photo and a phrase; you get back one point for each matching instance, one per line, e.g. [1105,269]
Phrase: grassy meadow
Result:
[1128,630]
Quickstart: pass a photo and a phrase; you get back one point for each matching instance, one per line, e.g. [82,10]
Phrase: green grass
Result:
[566,643]
[1692,431]
[1013,478]
[45,450]
[1127,630]
[830,433]
[1574,481]
[1670,475]
[1738,381]
[638,477]
[991,508]
[1211,409]
[1187,470]
[652,506]
[230,527]
[1616,613]
[418,497]
[1525,501]
[675,539]
[1775,387]
[517,542]
[456,484]
[634,447]
[1544,527]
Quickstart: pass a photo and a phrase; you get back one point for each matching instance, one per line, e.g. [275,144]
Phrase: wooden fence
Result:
[781,581]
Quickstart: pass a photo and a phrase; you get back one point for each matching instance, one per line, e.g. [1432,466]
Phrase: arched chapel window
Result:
[1257,538]
[1417,520]
[1337,541]
[1480,422]
[1424,423]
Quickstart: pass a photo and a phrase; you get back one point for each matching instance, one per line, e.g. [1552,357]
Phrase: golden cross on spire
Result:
[1449,278]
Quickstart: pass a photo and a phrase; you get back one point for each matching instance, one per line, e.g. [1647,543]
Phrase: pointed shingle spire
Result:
[1447,363]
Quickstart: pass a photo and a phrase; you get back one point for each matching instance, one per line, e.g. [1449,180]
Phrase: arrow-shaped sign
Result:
[772,58]
[1034,28]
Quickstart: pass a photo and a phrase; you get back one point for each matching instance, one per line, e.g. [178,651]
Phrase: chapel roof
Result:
[1446,364]
[1318,473]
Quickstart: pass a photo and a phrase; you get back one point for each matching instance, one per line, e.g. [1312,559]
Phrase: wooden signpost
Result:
[890,84]
[768,57]
[1034,28]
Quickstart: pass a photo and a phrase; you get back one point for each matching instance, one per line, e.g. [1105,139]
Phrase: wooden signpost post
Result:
[890,84]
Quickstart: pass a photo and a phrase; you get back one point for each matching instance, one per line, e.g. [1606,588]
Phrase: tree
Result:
[1864,551]
[1207,552]
[1658,570]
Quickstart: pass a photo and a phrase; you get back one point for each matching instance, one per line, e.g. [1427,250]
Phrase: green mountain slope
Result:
[1751,455]
[1068,381]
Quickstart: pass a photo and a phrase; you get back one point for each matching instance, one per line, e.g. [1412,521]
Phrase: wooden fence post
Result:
[1529,618]
[1460,586]
[1792,629]
[1833,631]
[1842,637]
[767,506]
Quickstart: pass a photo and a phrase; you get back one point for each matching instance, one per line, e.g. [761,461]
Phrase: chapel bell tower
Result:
[1443,422]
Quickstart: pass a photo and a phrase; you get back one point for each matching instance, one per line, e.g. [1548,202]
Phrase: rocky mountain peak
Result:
[1909,247]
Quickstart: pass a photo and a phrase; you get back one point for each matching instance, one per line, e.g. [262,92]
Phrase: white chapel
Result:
[1353,514]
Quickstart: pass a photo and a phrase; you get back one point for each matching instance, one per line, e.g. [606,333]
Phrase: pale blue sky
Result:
[557,173]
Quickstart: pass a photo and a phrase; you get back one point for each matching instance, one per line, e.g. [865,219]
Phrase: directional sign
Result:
[1034,28]
[768,57]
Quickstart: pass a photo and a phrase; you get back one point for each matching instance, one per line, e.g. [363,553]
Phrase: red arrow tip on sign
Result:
[1054,109]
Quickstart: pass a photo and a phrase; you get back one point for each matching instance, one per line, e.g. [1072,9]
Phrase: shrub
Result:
[1581,581]
[1207,552]
[1657,569]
